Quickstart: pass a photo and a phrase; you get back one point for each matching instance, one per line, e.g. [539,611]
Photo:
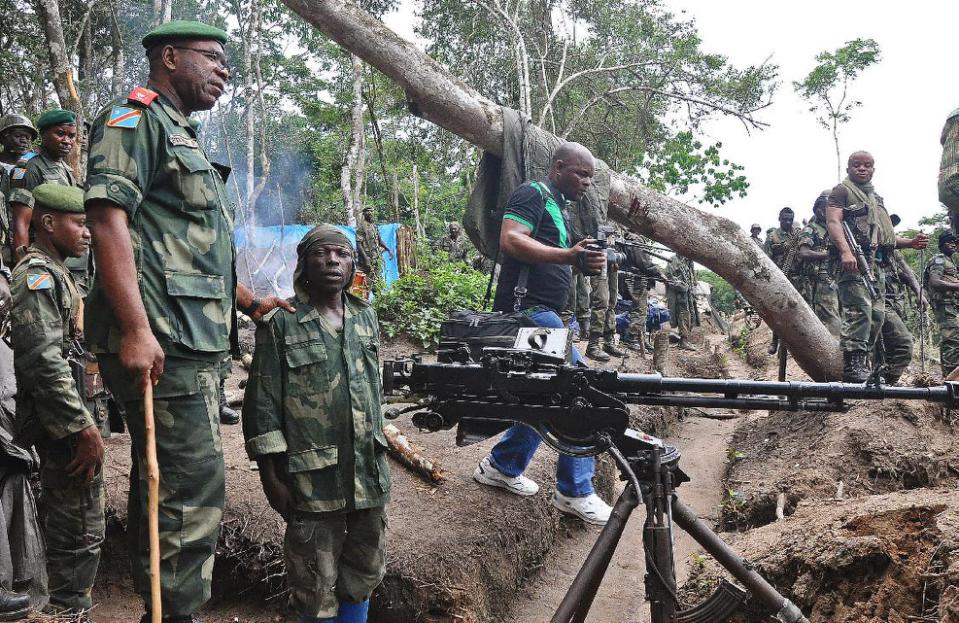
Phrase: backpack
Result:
[949,165]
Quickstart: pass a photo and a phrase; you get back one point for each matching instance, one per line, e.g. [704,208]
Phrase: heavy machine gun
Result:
[584,412]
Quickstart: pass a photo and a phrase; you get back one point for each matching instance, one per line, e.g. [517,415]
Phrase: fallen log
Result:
[403,450]
[715,242]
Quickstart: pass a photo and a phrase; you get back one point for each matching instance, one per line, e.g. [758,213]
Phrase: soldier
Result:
[754,232]
[943,285]
[53,384]
[896,342]
[369,247]
[163,303]
[855,201]
[578,304]
[681,297]
[322,462]
[818,269]
[603,292]
[455,244]
[635,276]
[779,242]
[16,139]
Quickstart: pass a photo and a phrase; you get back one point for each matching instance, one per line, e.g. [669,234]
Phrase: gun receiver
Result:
[867,277]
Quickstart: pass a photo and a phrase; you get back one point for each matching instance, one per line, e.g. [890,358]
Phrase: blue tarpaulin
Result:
[289,235]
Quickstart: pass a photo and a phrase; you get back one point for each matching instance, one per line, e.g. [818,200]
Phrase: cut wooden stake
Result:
[409,455]
[780,506]
[153,502]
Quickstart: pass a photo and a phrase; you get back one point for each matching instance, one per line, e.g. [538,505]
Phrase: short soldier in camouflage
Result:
[779,242]
[603,292]
[817,280]
[162,306]
[312,421]
[54,384]
[456,244]
[369,247]
[680,297]
[942,282]
[639,269]
[855,201]
[754,232]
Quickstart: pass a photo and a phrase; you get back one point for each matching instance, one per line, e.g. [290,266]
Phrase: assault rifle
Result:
[583,412]
[867,277]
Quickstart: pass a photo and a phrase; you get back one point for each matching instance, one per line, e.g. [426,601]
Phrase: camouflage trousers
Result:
[637,315]
[333,558]
[822,295]
[578,302]
[73,525]
[862,316]
[896,342]
[947,315]
[602,302]
[680,311]
[190,455]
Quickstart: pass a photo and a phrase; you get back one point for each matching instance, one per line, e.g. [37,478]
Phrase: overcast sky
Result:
[906,97]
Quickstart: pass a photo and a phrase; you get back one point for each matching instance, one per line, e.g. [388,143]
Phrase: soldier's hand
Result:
[87,455]
[921,241]
[142,357]
[278,495]
[848,261]
[270,303]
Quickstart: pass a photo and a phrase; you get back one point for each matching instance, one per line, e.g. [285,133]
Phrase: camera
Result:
[613,256]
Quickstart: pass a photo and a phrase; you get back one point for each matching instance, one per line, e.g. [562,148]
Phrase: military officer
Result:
[455,244]
[312,421]
[855,201]
[681,297]
[818,269]
[163,302]
[943,285]
[54,383]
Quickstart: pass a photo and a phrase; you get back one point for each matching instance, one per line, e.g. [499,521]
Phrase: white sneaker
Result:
[486,474]
[591,509]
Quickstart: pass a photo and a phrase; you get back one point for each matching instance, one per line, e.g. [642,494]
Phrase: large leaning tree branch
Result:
[715,242]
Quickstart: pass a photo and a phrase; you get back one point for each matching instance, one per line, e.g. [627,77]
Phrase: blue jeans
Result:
[513,453]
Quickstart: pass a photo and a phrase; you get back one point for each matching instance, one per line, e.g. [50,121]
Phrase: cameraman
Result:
[535,278]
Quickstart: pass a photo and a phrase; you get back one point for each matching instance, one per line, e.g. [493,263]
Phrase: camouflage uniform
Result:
[46,316]
[40,169]
[778,246]
[371,256]
[578,302]
[145,158]
[896,337]
[603,292]
[945,304]
[818,278]
[457,248]
[314,396]
[680,295]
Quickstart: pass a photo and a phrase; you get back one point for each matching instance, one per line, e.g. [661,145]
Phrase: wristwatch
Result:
[250,309]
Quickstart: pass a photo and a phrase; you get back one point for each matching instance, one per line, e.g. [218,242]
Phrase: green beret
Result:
[59,197]
[55,117]
[183,29]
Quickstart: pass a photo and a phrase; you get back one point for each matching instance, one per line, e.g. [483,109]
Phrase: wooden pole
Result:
[153,501]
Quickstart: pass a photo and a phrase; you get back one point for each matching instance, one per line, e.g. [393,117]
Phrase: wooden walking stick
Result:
[153,501]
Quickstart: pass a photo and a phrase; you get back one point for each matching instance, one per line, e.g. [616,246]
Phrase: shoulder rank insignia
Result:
[178,140]
[142,95]
[18,173]
[124,117]
[42,281]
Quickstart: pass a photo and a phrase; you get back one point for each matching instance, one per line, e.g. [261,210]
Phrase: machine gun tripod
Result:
[583,412]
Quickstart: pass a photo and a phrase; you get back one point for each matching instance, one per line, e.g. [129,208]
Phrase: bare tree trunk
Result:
[119,62]
[265,163]
[717,243]
[62,70]
[350,180]
[162,11]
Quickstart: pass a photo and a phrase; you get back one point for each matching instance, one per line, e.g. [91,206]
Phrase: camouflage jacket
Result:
[39,169]
[314,396]
[943,267]
[368,244]
[145,158]
[458,249]
[777,244]
[45,319]
[680,271]
[816,238]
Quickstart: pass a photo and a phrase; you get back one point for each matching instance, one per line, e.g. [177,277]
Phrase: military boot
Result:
[855,369]
[610,347]
[227,415]
[13,606]
[583,330]
[685,345]
[594,350]
[774,345]
[633,343]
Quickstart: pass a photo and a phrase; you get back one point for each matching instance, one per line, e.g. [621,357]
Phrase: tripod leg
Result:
[582,591]
[785,610]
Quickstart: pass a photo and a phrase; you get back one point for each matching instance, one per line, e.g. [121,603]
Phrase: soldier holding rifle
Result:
[943,284]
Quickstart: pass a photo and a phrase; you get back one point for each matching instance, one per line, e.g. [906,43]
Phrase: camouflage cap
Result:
[183,29]
[324,234]
[56,116]
[13,120]
[59,198]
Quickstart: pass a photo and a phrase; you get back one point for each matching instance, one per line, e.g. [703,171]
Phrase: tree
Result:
[717,243]
[826,87]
